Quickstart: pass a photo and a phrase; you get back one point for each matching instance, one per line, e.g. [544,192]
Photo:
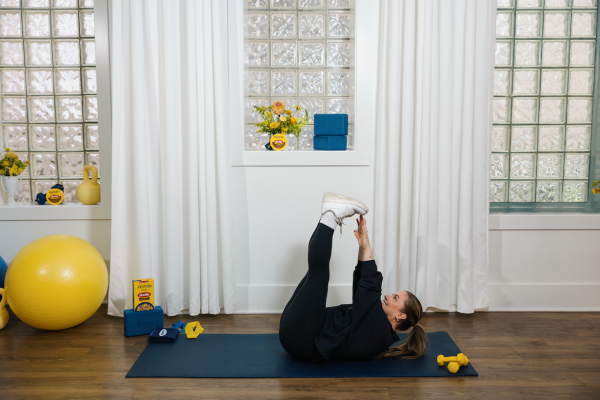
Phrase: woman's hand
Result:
[361,233]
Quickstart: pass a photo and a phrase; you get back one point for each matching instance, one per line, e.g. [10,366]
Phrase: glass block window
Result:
[300,52]
[48,101]
[543,95]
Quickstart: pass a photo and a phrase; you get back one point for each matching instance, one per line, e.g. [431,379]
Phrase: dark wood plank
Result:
[517,355]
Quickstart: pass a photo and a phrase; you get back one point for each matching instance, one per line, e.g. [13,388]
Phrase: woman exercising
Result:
[365,329]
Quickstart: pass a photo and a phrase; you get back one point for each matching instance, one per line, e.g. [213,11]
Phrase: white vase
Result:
[10,184]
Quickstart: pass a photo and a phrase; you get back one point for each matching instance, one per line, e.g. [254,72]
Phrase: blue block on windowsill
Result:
[142,322]
[330,142]
[331,124]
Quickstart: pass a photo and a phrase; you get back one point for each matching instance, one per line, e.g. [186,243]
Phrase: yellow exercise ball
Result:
[56,282]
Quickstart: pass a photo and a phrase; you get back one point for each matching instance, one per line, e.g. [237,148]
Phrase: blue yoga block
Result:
[142,322]
[331,124]
[330,142]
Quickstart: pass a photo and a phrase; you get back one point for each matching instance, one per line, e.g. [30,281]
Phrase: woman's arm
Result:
[366,291]
[364,246]
[365,254]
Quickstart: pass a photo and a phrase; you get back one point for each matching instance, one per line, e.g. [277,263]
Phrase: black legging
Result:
[303,316]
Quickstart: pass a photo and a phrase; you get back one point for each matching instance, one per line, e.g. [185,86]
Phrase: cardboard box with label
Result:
[143,294]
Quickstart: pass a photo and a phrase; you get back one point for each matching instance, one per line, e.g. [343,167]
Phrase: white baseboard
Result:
[545,297]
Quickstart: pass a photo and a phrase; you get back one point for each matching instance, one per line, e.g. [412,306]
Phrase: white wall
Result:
[276,212]
[545,269]
[16,234]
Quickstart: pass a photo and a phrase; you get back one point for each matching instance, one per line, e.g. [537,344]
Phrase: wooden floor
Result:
[518,356]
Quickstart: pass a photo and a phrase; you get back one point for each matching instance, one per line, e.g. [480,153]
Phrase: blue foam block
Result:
[331,124]
[331,142]
[142,322]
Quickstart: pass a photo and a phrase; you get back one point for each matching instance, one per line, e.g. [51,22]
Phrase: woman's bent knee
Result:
[302,349]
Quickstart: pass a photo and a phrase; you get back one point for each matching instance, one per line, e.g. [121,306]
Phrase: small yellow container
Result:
[55,196]
[143,294]
[278,142]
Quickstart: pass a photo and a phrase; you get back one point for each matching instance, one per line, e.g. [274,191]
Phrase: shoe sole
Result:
[330,197]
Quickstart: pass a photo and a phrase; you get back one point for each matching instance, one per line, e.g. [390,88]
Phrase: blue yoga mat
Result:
[261,356]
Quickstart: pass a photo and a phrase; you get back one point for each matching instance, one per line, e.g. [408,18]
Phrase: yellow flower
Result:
[297,107]
[12,154]
[7,149]
[596,191]
[5,163]
[274,125]
[278,107]
[293,121]
[288,112]
[283,119]
[26,162]
[270,114]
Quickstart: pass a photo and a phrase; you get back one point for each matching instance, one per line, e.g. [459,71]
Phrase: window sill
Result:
[67,211]
[300,158]
[544,222]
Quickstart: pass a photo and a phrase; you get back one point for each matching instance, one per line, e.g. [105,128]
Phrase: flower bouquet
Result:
[10,169]
[10,165]
[278,120]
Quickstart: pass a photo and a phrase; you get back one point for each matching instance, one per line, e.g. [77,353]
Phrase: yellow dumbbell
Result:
[453,362]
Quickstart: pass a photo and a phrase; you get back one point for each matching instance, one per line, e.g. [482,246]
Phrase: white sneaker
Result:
[342,207]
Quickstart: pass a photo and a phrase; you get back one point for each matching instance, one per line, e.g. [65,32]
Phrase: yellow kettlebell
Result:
[3,310]
[88,192]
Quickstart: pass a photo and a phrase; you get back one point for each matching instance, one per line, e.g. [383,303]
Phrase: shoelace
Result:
[340,222]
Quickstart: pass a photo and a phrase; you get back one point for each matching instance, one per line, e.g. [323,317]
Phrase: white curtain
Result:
[432,155]
[171,212]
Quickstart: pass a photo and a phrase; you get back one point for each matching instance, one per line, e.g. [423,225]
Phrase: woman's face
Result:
[393,304]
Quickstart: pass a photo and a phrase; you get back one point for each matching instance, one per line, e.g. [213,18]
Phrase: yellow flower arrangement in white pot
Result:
[10,170]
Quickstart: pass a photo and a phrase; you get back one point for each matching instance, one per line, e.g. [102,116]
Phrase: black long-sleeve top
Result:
[361,330]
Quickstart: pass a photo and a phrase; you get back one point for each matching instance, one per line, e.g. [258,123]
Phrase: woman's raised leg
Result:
[302,281]
[304,314]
